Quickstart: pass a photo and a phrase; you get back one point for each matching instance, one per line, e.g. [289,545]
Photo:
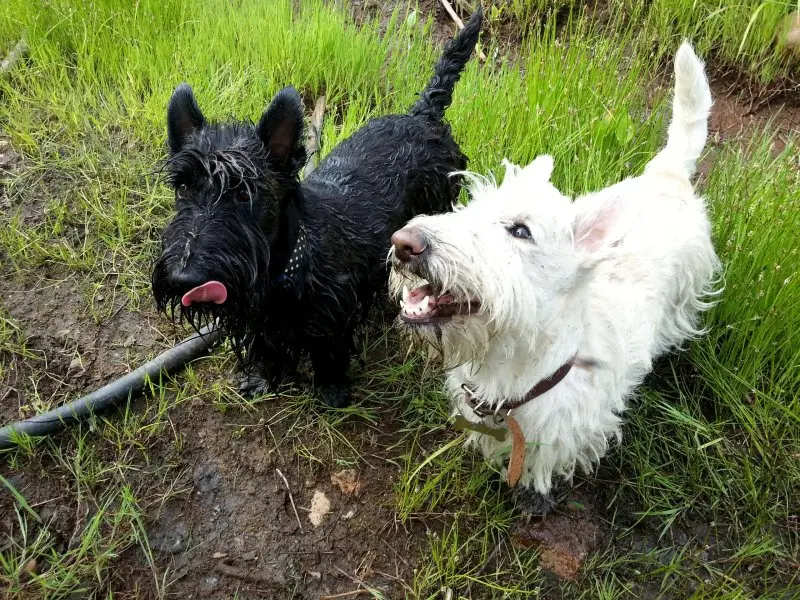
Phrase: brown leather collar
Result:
[545,385]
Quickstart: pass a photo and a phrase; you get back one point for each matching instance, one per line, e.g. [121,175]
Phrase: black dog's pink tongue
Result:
[213,291]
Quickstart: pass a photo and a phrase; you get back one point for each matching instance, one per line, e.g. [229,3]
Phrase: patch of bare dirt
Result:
[231,525]
[74,354]
[743,110]
[236,527]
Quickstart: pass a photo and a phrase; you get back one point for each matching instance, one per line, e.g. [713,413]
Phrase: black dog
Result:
[289,267]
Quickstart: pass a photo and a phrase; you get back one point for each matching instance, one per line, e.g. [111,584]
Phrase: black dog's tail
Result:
[438,94]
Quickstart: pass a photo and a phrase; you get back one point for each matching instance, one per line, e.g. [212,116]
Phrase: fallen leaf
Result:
[347,481]
[320,506]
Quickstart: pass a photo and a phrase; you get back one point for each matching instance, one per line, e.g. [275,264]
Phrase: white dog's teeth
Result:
[405,293]
[425,301]
[402,305]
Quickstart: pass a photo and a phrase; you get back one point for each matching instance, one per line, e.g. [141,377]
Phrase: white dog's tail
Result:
[689,126]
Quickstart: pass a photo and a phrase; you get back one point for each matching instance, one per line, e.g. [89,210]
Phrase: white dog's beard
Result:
[450,323]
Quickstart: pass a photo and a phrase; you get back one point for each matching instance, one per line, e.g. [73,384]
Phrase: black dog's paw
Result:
[335,396]
[531,503]
[251,383]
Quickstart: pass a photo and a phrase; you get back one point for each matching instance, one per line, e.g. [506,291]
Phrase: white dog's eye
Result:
[520,231]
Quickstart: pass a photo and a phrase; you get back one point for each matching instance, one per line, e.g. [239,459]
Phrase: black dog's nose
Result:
[187,279]
[408,242]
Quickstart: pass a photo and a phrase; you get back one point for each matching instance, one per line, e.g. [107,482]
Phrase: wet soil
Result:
[229,524]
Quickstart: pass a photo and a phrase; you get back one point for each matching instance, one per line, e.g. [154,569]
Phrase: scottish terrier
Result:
[550,312]
[287,267]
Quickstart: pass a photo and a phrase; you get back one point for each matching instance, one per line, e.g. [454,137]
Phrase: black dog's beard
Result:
[232,321]
[229,251]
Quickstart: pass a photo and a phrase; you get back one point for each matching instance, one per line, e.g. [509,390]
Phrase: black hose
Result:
[107,396]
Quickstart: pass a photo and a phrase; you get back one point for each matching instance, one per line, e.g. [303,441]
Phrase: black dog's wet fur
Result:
[240,207]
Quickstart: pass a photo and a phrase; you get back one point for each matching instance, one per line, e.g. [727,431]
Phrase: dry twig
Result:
[313,143]
[291,499]
[350,594]
[242,574]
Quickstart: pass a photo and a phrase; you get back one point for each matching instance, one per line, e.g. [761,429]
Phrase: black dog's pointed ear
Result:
[183,117]
[281,128]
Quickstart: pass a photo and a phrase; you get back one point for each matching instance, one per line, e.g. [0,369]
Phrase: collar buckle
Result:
[482,409]
[478,406]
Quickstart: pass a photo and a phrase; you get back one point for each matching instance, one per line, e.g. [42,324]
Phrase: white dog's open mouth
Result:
[421,306]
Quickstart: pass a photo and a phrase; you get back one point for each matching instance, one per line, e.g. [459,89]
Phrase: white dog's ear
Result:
[512,170]
[538,171]
[594,224]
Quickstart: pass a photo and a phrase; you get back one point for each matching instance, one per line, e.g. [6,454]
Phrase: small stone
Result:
[209,585]
[75,363]
[250,555]
[218,555]
[315,574]
[129,341]
[350,514]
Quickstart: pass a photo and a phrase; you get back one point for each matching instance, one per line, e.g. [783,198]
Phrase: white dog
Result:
[548,312]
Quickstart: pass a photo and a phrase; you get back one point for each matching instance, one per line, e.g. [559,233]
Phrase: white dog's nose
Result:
[408,242]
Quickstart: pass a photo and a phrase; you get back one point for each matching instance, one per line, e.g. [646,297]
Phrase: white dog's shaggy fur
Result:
[521,280]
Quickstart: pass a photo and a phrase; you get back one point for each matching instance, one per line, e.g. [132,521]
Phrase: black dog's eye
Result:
[243,195]
[519,231]
[181,190]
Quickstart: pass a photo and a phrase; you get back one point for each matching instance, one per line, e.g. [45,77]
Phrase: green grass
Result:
[740,32]
[712,441]
[109,517]
[744,34]
[12,345]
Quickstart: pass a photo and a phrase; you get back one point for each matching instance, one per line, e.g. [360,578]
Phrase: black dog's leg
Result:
[251,381]
[330,358]
[268,361]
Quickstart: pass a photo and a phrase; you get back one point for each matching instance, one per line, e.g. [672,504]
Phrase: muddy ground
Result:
[223,501]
